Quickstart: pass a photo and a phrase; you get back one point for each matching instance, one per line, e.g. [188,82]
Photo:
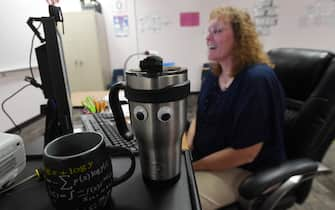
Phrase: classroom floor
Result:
[322,196]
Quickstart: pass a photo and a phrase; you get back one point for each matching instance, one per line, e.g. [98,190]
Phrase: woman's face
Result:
[220,40]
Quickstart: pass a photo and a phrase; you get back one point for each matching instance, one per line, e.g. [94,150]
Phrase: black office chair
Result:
[308,78]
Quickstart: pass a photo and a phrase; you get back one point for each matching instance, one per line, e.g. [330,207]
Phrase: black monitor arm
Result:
[55,12]
[34,29]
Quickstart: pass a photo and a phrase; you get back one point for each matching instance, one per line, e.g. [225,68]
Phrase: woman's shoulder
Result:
[258,73]
[258,70]
[208,79]
[209,76]
[257,76]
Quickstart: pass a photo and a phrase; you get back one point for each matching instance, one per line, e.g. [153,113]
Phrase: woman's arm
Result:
[228,158]
[190,133]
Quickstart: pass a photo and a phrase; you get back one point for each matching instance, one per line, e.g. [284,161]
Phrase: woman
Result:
[239,124]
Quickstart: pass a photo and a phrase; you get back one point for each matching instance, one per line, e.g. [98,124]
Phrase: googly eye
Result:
[140,113]
[164,114]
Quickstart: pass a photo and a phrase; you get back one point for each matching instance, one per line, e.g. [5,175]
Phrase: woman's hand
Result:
[190,134]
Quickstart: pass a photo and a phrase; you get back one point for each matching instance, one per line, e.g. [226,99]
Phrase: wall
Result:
[305,24]
[15,39]
[25,104]
[308,24]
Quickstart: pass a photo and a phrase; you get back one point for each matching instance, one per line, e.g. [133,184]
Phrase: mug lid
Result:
[169,70]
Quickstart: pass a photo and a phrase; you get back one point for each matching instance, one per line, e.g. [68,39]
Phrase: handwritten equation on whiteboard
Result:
[319,13]
[265,16]
[152,23]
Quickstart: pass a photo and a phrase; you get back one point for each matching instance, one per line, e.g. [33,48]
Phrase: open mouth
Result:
[212,47]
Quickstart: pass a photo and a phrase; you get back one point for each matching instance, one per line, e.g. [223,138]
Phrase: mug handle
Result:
[115,151]
[115,105]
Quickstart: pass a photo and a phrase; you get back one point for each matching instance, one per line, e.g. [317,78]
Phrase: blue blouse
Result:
[250,111]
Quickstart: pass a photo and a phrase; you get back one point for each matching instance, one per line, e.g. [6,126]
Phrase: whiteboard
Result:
[16,36]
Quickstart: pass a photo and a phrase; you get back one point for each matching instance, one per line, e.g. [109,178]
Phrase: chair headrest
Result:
[299,70]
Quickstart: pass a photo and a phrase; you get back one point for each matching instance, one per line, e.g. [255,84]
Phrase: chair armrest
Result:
[262,182]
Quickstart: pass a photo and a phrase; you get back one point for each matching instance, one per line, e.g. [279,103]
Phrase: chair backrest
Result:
[308,79]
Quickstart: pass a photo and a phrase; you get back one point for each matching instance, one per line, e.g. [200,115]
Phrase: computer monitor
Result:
[51,65]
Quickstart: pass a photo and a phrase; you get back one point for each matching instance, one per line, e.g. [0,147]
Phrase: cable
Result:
[31,52]
[38,173]
[17,184]
[3,106]
[31,81]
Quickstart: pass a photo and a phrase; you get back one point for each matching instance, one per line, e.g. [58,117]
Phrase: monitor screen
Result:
[55,85]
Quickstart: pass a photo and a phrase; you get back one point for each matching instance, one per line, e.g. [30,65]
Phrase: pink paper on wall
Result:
[189,19]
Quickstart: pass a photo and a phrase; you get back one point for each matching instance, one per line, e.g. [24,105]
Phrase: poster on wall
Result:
[120,24]
[189,19]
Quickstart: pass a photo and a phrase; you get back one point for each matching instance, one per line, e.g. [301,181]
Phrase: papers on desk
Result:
[77,97]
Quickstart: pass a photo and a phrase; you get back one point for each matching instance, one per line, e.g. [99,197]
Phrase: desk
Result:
[131,194]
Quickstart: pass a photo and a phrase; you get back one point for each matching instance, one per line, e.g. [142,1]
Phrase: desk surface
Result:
[132,194]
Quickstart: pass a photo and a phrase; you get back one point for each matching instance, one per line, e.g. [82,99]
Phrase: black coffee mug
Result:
[78,171]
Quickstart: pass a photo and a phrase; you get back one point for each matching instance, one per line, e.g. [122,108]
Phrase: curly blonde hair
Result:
[247,49]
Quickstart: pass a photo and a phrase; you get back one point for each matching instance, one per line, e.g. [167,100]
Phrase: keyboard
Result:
[104,124]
